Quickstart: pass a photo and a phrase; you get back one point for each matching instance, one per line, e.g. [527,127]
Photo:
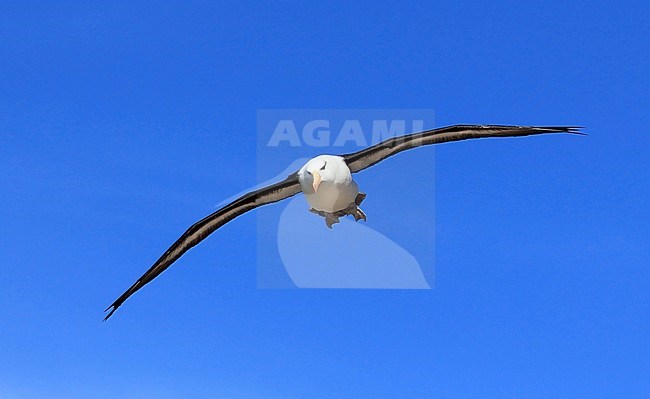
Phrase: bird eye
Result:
[308,172]
[323,168]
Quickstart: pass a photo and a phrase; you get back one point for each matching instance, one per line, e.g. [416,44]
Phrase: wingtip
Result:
[111,309]
[576,130]
[565,129]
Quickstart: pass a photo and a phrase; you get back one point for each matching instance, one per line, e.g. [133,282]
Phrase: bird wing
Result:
[206,226]
[367,157]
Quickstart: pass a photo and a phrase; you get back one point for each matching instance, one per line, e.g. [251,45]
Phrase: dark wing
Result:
[366,158]
[203,228]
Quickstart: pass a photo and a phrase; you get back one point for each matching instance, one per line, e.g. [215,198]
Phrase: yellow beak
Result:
[317,180]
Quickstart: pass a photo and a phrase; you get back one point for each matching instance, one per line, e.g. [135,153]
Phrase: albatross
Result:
[327,183]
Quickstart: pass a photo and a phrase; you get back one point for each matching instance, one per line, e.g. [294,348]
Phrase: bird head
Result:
[315,172]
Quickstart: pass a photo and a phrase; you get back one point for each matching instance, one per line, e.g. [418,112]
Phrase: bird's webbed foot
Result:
[354,210]
[331,218]
[360,198]
[359,215]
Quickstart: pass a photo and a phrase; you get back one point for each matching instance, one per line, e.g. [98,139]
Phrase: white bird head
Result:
[318,170]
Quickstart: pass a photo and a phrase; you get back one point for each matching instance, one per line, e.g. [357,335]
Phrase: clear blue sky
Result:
[120,125]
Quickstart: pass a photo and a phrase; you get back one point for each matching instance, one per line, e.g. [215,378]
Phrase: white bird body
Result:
[336,189]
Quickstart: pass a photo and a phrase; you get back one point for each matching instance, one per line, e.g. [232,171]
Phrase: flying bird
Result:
[329,188]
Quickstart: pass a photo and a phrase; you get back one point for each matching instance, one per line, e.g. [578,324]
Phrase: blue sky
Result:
[122,124]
